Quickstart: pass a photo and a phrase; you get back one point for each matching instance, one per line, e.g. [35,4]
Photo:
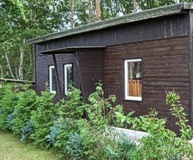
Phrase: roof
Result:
[133,17]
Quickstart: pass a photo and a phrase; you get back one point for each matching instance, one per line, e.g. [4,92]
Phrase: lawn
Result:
[12,149]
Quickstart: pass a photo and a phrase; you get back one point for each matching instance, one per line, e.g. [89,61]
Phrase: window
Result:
[52,79]
[133,79]
[68,78]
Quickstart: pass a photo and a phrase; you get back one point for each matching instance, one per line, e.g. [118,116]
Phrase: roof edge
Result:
[133,17]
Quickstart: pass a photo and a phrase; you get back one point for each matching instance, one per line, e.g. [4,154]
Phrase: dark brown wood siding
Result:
[165,66]
[42,70]
[162,27]
[90,69]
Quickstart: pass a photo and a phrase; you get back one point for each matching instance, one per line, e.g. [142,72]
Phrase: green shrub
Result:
[27,130]
[161,142]
[43,118]
[121,148]
[10,118]
[69,114]
[8,102]
[27,102]
[74,147]
[73,106]
[100,111]
[54,131]
[66,127]
[62,127]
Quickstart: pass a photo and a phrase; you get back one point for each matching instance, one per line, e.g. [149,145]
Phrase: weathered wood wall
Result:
[90,69]
[42,70]
[165,66]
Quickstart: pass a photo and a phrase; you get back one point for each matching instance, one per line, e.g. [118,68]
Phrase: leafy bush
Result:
[74,147]
[10,118]
[100,111]
[121,148]
[67,126]
[73,106]
[161,142]
[27,130]
[8,102]
[69,114]
[54,131]
[27,102]
[62,127]
[43,118]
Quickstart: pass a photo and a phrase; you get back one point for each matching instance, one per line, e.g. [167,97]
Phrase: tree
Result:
[25,19]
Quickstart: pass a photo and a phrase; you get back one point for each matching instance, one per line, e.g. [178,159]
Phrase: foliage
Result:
[69,114]
[100,109]
[10,118]
[161,142]
[178,111]
[122,148]
[27,130]
[8,102]
[54,131]
[73,107]
[62,126]
[74,146]
[43,118]
[27,102]
[100,112]
[66,126]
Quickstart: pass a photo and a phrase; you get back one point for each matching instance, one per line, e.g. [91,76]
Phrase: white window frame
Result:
[126,76]
[65,78]
[50,79]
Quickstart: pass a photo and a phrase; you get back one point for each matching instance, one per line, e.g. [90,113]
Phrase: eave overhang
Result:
[70,49]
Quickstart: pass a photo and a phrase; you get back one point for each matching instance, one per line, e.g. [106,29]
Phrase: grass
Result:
[12,149]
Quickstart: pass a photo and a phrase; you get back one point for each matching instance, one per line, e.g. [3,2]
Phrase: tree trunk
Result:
[16,73]
[20,70]
[134,6]
[98,10]
[90,14]
[72,13]
[9,65]
[1,71]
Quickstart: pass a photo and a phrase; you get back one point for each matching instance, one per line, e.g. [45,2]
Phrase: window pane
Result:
[133,79]
[54,84]
[68,77]
[52,79]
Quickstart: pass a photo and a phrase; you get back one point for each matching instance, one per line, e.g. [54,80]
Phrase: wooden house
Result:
[137,57]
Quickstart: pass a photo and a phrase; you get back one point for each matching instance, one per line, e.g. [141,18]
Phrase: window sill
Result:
[129,98]
[53,92]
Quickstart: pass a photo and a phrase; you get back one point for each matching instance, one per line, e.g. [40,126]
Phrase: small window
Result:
[133,79]
[52,79]
[68,75]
